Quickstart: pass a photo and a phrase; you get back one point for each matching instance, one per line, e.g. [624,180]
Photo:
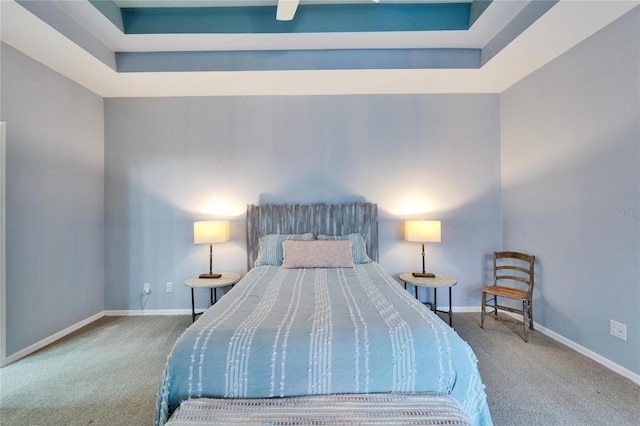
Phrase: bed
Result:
[291,328]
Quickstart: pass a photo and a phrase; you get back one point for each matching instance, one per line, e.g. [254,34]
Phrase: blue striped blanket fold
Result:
[292,332]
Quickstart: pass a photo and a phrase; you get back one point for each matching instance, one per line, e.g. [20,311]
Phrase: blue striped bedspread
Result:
[291,332]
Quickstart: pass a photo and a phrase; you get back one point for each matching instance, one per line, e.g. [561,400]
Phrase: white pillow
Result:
[317,254]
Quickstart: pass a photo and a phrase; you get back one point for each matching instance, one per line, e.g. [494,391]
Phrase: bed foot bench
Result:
[321,410]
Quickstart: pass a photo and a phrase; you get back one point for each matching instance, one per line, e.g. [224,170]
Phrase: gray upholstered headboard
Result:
[323,218]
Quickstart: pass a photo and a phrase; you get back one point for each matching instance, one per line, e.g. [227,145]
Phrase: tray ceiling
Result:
[226,47]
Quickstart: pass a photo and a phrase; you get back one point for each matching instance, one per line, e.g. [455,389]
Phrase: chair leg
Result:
[484,303]
[530,315]
[525,312]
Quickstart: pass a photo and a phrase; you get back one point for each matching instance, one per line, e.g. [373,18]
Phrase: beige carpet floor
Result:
[108,374]
[544,382]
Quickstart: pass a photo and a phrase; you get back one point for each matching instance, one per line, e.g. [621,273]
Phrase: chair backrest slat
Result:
[513,277]
[513,255]
[514,270]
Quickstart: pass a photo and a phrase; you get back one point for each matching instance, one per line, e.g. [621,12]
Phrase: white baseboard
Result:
[133,313]
[47,341]
[634,377]
[465,308]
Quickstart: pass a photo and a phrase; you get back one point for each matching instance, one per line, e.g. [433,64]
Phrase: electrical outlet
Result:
[617,329]
[146,289]
[169,287]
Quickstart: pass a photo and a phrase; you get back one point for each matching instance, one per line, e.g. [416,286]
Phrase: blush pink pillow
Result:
[317,254]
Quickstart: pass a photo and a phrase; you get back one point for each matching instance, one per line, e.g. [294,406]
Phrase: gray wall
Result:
[565,141]
[571,188]
[54,200]
[172,161]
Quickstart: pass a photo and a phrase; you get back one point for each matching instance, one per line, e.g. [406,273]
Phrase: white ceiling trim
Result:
[565,25]
[483,30]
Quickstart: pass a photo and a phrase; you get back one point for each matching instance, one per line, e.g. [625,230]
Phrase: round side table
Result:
[440,281]
[227,279]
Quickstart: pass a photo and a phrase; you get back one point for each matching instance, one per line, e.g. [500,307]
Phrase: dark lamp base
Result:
[424,274]
[210,275]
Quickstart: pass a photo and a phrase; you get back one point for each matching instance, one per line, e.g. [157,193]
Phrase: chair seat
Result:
[513,293]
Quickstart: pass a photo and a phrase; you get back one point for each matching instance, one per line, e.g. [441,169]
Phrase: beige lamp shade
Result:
[210,232]
[422,231]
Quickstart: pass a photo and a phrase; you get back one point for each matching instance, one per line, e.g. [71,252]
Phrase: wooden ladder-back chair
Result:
[512,279]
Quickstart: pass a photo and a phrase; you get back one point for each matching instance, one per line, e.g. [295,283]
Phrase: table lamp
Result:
[423,231]
[210,232]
